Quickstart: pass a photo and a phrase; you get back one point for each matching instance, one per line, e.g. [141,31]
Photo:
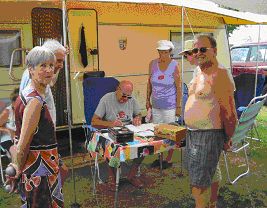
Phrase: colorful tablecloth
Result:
[141,146]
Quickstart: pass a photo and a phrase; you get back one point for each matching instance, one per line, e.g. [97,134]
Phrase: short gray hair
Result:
[38,55]
[54,45]
[211,39]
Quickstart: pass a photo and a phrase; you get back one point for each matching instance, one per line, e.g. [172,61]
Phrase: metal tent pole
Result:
[69,112]
[257,62]
[182,62]
[182,114]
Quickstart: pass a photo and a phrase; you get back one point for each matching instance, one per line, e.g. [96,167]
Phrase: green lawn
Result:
[170,190]
[262,124]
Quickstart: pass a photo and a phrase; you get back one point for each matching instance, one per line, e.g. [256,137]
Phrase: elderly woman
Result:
[164,89]
[36,161]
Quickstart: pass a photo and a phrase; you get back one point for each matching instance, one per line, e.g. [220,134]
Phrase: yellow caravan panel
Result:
[124,35]
[87,19]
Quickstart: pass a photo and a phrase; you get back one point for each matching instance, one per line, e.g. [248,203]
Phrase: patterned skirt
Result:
[40,181]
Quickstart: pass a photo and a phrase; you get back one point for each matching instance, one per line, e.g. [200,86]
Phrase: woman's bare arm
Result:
[31,117]
[149,87]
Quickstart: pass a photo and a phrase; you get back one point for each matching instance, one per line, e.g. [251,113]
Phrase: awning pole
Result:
[182,114]
[69,112]
[257,62]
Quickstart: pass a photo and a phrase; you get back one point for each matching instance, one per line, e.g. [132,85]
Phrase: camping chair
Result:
[3,154]
[245,85]
[94,88]
[244,126]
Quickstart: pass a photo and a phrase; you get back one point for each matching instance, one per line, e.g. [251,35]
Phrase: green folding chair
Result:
[245,125]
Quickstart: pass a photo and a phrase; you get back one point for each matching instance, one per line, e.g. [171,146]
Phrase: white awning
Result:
[254,6]
[208,6]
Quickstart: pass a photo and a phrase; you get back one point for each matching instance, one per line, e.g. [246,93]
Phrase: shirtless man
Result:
[210,117]
[188,55]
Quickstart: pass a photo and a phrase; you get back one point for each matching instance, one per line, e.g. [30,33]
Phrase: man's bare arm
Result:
[224,91]
[99,123]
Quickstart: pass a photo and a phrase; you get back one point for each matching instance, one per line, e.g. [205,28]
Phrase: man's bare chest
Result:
[203,86]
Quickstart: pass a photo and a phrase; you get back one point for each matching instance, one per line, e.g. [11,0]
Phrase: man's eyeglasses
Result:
[201,50]
[124,95]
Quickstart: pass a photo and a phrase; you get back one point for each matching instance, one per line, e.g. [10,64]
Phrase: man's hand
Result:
[137,121]
[227,145]
[117,122]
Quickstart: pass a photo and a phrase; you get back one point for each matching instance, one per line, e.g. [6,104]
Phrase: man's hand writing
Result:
[137,121]
[117,123]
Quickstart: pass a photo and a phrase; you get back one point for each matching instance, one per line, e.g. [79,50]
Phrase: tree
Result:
[231,28]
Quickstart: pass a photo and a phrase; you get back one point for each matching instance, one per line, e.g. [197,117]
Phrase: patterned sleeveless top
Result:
[43,156]
[163,86]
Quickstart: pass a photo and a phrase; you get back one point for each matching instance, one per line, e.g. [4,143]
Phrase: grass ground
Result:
[169,190]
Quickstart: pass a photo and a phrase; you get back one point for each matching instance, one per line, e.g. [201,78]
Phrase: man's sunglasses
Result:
[201,50]
[126,96]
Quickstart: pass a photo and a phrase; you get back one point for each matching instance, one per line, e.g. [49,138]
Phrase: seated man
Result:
[117,109]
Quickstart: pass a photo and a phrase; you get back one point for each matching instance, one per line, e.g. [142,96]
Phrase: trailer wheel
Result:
[264,91]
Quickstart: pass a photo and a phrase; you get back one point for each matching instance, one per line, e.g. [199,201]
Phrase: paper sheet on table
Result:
[145,133]
[107,137]
[141,128]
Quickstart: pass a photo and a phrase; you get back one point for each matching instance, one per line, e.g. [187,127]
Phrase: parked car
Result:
[244,60]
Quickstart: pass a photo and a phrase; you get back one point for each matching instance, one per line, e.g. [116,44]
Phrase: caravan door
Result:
[83,43]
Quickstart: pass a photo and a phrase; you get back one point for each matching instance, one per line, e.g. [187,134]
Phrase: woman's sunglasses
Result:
[188,53]
[201,50]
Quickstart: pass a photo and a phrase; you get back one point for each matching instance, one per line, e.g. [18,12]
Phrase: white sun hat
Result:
[188,46]
[163,45]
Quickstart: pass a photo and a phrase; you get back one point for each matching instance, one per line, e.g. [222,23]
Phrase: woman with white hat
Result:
[164,90]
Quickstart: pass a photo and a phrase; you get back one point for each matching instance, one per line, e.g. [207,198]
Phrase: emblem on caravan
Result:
[123,43]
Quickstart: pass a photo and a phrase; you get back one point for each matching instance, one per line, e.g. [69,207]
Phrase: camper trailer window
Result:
[176,38]
[10,40]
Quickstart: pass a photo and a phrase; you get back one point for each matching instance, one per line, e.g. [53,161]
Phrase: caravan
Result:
[118,38]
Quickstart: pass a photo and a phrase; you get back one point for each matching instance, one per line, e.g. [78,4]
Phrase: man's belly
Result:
[202,114]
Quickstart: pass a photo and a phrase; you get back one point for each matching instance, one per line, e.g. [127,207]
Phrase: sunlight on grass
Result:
[262,116]
[262,124]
